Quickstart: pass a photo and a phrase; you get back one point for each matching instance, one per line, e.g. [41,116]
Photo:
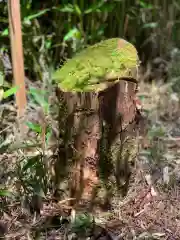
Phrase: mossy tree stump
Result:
[98,119]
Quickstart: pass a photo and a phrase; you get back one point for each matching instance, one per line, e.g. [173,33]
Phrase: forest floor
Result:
[151,209]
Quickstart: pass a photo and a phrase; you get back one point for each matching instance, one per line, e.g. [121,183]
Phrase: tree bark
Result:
[98,147]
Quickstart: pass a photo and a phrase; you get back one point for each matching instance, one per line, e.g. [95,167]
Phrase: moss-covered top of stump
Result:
[90,69]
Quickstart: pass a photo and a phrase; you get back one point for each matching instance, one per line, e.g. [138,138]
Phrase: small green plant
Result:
[33,170]
[4,91]
[81,224]
[32,176]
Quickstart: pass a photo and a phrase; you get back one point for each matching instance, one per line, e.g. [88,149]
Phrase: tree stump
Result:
[98,121]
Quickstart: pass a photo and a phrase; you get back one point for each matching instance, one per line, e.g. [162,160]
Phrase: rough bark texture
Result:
[119,132]
[99,142]
[80,138]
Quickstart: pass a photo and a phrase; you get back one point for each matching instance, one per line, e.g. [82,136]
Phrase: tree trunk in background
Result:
[99,143]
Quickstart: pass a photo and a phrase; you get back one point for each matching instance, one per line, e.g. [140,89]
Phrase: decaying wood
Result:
[100,121]
[100,134]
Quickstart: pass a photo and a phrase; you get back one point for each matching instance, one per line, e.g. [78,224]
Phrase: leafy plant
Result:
[6,93]
[81,224]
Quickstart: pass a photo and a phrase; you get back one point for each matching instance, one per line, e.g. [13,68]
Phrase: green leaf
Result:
[5,193]
[107,8]
[27,22]
[100,6]
[81,223]
[73,33]
[36,15]
[69,8]
[150,25]
[48,44]
[5,32]
[10,92]
[94,7]
[31,162]
[145,5]
[40,98]
[35,127]
[77,9]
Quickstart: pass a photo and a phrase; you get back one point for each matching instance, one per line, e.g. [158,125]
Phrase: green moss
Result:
[115,57]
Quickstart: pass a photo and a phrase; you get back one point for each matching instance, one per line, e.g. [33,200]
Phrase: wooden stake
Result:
[17,55]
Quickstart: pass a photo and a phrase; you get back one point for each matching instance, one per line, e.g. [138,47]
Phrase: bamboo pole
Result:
[17,55]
